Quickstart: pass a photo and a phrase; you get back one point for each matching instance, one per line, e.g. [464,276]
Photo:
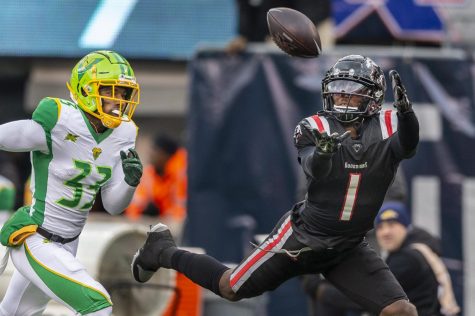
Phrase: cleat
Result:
[147,260]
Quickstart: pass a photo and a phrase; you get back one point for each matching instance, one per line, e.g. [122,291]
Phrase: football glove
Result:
[132,167]
[401,101]
[328,144]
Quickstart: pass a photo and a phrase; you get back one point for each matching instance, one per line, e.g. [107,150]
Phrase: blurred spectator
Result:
[413,257]
[7,198]
[163,188]
[412,254]
[252,18]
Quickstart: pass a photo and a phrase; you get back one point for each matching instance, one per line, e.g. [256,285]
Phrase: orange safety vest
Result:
[168,192]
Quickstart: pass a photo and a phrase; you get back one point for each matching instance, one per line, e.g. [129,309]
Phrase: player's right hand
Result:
[325,143]
[329,144]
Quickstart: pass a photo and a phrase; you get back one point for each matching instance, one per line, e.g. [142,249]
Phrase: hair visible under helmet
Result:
[104,69]
[357,77]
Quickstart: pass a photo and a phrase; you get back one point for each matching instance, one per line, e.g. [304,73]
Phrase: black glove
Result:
[401,101]
[132,167]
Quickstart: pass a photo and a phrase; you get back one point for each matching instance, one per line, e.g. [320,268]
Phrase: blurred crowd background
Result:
[219,103]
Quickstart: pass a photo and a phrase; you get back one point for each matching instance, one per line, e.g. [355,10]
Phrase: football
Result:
[294,33]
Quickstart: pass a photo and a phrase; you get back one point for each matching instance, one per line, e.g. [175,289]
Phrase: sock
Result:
[201,269]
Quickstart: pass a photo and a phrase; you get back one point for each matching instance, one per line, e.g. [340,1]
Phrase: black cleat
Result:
[148,259]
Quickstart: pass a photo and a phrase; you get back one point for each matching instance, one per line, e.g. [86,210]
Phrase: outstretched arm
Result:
[316,149]
[408,130]
[23,136]
[408,134]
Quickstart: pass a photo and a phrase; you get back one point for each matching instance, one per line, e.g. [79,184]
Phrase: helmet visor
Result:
[347,86]
[348,96]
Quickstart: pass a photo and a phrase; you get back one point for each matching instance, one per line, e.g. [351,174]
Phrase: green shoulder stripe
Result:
[47,113]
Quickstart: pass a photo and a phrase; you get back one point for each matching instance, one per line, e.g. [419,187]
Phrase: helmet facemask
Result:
[348,100]
[95,82]
[105,92]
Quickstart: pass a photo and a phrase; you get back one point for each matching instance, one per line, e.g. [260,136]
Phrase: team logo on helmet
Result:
[123,77]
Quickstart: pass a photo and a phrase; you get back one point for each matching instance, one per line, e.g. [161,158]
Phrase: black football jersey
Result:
[344,202]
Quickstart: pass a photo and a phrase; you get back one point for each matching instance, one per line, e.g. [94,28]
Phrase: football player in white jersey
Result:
[80,150]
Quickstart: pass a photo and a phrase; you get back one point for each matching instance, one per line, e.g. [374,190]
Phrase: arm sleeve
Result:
[23,136]
[116,193]
[407,136]
[141,197]
[315,164]
[117,197]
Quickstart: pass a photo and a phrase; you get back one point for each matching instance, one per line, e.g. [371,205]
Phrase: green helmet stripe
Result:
[119,59]
[81,74]
[126,70]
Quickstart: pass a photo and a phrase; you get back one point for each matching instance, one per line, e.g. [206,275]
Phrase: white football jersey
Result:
[80,161]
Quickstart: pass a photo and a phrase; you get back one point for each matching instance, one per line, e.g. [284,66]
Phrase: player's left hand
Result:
[132,167]
[401,101]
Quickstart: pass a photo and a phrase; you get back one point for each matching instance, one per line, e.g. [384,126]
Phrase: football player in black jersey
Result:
[350,153]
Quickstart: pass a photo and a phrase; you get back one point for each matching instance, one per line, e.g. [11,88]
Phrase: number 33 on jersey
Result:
[80,161]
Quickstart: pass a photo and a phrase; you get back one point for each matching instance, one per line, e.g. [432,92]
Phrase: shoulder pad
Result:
[47,113]
[303,132]
[318,122]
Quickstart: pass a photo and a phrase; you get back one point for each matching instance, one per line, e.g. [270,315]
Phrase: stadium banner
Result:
[146,29]
[243,171]
[403,19]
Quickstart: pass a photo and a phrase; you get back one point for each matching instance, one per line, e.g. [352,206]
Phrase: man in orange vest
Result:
[163,188]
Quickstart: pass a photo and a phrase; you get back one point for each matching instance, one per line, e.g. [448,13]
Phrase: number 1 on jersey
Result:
[350,196]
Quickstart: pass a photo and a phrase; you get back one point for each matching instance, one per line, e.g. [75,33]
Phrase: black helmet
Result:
[353,88]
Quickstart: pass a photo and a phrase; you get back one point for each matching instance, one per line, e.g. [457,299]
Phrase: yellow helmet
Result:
[104,69]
